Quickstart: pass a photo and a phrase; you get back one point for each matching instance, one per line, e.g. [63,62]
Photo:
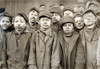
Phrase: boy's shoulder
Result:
[38,31]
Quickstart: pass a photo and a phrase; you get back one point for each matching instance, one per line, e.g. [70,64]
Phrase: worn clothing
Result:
[44,52]
[68,58]
[90,43]
[16,50]
[55,27]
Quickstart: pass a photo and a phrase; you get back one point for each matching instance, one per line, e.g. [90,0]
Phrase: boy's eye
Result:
[21,21]
[16,21]
[7,21]
[3,21]
[69,25]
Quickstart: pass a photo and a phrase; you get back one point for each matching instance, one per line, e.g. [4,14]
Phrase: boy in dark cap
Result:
[57,15]
[89,37]
[43,7]
[16,45]
[33,19]
[44,51]
[79,24]
[68,11]
[70,44]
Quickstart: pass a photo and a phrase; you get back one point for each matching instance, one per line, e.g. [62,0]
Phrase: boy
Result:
[93,5]
[44,51]
[5,27]
[33,19]
[16,46]
[68,12]
[69,43]
[57,15]
[79,24]
[89,38]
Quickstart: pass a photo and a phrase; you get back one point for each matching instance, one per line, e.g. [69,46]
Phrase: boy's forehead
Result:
[44,17]
[78,18]
[33,11]
[68,11]
[67,23]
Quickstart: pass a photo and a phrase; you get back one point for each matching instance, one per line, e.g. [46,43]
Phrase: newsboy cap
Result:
[45,14]
[89,10]
[66,19]
[56,10]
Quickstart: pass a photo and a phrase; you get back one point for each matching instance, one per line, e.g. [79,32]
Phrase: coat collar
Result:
[72,42]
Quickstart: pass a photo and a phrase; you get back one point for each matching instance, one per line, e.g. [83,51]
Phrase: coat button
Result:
[41,51]
[18,40]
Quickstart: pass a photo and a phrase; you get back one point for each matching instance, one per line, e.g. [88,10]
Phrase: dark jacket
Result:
[74,58]
[44,54]
[16,50]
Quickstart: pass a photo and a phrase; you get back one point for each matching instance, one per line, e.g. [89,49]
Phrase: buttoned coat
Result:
[74,52]
[15,53]
[44,53]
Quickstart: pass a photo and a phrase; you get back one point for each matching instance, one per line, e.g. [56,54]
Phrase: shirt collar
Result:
[48,32]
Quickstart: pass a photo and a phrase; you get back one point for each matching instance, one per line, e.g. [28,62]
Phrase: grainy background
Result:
[15,6]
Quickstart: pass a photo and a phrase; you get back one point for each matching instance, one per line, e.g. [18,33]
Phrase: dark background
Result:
[15,6]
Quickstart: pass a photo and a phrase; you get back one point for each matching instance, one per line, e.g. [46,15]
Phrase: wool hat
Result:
[34,8]
[24,16]
[45,14]
[5,14]
[69,8]
[66,19]
[89,10]
[56,10]
[92,3]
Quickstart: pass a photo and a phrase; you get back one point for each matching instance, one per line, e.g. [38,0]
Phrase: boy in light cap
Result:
[89,37]
[70,44]
[33,19]
[44,51]
[93,5]
[16,46]
[57,15]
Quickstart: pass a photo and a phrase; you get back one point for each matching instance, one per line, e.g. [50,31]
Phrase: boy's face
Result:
[56,18]
[76,9]
[93,7]
[67,28]
[89,19]
[5,23]
[68,13]
[79,22]
[19,23]
[45,22]
[33,17]
[98,15]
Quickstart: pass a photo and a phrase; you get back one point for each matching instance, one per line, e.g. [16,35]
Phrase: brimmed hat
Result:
[45,14]
[56,10]
[89,10]
[66,19]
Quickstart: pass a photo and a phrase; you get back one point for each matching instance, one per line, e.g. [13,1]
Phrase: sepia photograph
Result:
[49,34]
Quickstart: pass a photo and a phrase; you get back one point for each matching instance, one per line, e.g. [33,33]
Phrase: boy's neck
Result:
[69,34]
[19,32]
[43,29]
